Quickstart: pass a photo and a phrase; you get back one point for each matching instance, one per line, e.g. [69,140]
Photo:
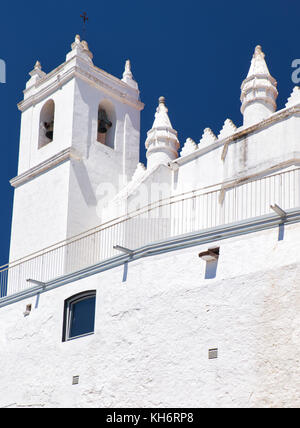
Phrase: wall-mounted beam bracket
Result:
[33,281]
[278,210]
[123,250]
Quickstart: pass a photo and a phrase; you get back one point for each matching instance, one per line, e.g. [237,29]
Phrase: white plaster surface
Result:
[40,212]
[153,333]
[154,329]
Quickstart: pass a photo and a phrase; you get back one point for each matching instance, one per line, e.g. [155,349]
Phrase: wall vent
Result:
[213,354]
[28,310]
[75,380]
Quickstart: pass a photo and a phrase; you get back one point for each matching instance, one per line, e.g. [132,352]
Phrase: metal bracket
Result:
[123,250]
[278,210]
[34,281]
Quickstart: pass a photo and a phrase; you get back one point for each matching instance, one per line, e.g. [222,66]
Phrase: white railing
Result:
[171,217]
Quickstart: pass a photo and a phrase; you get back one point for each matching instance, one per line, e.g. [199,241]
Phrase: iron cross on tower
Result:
[85,19]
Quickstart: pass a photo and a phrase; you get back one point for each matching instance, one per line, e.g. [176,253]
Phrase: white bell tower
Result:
[80,128]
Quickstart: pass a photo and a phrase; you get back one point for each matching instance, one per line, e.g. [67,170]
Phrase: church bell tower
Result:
[80,128]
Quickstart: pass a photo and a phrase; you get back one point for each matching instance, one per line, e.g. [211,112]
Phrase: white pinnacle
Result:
[127,71]
[258,63]
[80,49]
[128,77]
[258,91]
[161,115]
[162,143]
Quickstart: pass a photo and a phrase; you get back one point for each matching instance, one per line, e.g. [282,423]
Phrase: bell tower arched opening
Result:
[106,126]
[46,124]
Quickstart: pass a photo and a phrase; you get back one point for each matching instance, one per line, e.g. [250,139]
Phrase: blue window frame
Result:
[79,315]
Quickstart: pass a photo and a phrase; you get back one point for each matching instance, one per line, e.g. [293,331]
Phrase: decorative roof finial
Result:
[35,75]
[258,51]
[162,100]
[38,65]
[162,143]
[259,91]
[258,63]
[128,77]
[161,115]
[127,71]
[128,66]
[81,49]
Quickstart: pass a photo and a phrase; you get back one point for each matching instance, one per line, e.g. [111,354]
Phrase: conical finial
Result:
[162,143]
[128,66]
[258,51]
[258,63]
[259,91]
[161,115]
[35,75]
[127,71]
[128,77]
[38,65]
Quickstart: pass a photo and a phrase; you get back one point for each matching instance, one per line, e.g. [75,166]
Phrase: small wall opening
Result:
[46,124]
[106,124]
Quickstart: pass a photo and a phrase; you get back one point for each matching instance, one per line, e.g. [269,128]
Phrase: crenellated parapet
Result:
[189,147]
[208,138]
[294,98]
[228,129]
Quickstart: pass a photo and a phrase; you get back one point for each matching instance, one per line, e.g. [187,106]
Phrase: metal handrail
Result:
[146,208]
[185,212]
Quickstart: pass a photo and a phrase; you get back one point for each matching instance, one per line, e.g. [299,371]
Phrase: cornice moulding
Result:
[260,76]
[96,82]
[89,75]
[39,169]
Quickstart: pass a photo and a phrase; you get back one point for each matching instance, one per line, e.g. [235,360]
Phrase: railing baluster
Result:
[173,216]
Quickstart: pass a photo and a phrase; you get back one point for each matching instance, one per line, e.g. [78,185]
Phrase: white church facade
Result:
[170,284]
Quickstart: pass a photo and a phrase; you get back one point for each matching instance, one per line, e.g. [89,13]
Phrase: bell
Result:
[103,123]
[102,128]
[49,130]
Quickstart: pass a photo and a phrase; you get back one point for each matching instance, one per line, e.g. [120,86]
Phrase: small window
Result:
[79,315]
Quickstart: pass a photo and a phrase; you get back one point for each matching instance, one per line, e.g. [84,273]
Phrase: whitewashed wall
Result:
[153,332]
[40,212]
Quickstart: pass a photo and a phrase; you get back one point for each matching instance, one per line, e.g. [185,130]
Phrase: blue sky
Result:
[194,53]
